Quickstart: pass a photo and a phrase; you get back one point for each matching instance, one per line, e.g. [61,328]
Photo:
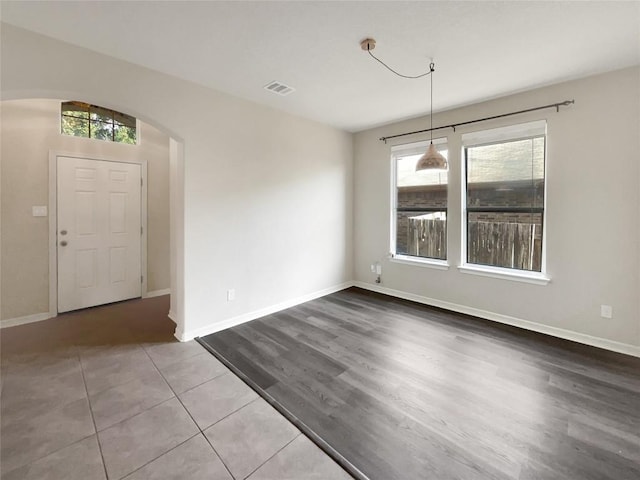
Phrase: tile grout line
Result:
[224,418]
[77,356]
[133,416]
[200,384]
[47,455]
[156,458]
[93,419]
[195,386]
[331,452]
[283,447]
[200,431]
[258,397]
[75,353]
[169,364]
[104,389]
[221,419]
[218,455]
[56,450]
[146,410]
[136,414]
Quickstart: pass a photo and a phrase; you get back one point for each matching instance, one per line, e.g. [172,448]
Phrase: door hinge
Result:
[141,182]
[141,279]
[141,230]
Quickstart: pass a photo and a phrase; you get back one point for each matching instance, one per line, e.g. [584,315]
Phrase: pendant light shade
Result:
[432,160]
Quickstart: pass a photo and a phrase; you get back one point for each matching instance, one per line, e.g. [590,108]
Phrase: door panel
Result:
[99,236]
[118,264]
[85,213]
[118,213]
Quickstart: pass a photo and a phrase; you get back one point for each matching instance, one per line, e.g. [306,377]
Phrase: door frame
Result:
[53,221]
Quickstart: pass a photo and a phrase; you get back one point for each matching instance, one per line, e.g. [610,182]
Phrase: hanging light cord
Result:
[431,69]
[399,74]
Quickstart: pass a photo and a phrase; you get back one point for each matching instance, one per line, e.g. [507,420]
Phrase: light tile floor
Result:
[109,393]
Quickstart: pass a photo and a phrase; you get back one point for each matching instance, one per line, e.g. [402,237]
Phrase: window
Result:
[505,183]
[419,216]
[84,120]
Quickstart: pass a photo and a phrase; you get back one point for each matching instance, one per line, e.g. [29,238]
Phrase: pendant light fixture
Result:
[432,159]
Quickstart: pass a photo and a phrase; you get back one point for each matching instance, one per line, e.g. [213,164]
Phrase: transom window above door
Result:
[80,119]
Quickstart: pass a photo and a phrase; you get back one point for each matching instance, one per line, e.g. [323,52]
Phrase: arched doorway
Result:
[47,307]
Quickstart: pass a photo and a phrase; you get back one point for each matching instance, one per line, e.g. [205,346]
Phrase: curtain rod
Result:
[557,106]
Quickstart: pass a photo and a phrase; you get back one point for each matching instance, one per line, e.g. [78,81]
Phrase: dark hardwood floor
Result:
[397,390]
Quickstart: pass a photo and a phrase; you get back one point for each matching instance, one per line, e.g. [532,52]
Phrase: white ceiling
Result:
[482,50]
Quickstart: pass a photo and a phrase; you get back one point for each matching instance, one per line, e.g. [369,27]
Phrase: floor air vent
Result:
[279,88]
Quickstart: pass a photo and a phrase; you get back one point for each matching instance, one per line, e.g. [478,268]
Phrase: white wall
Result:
[30,129]
[593,215]
[267,196]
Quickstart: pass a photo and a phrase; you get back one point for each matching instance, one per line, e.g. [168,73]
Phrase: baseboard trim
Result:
[611,345]
[36,317]
[158,293]
[185,336]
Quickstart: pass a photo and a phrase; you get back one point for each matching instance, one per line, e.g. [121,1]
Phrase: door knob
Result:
[63,232]
[63,243]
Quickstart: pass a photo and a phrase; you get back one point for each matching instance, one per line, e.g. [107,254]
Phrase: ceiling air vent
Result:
[279,88]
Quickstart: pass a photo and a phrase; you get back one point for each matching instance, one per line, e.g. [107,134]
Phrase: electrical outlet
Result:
[373,268]
[606,311]
[231,295]
[378,269]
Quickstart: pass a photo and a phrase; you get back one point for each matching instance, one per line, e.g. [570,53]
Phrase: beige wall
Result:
[267,195]
[276,207]
[592,224]
[30,129]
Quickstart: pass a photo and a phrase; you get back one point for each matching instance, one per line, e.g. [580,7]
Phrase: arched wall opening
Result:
[35,113]
[250,169]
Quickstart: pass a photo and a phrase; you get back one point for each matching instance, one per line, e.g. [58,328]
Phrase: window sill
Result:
[535,278]
[420,262]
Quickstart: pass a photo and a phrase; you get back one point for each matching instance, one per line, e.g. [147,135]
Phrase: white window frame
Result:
[405,150]
[499,135]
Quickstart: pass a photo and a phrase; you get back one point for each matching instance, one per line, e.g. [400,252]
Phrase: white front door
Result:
[98,232]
